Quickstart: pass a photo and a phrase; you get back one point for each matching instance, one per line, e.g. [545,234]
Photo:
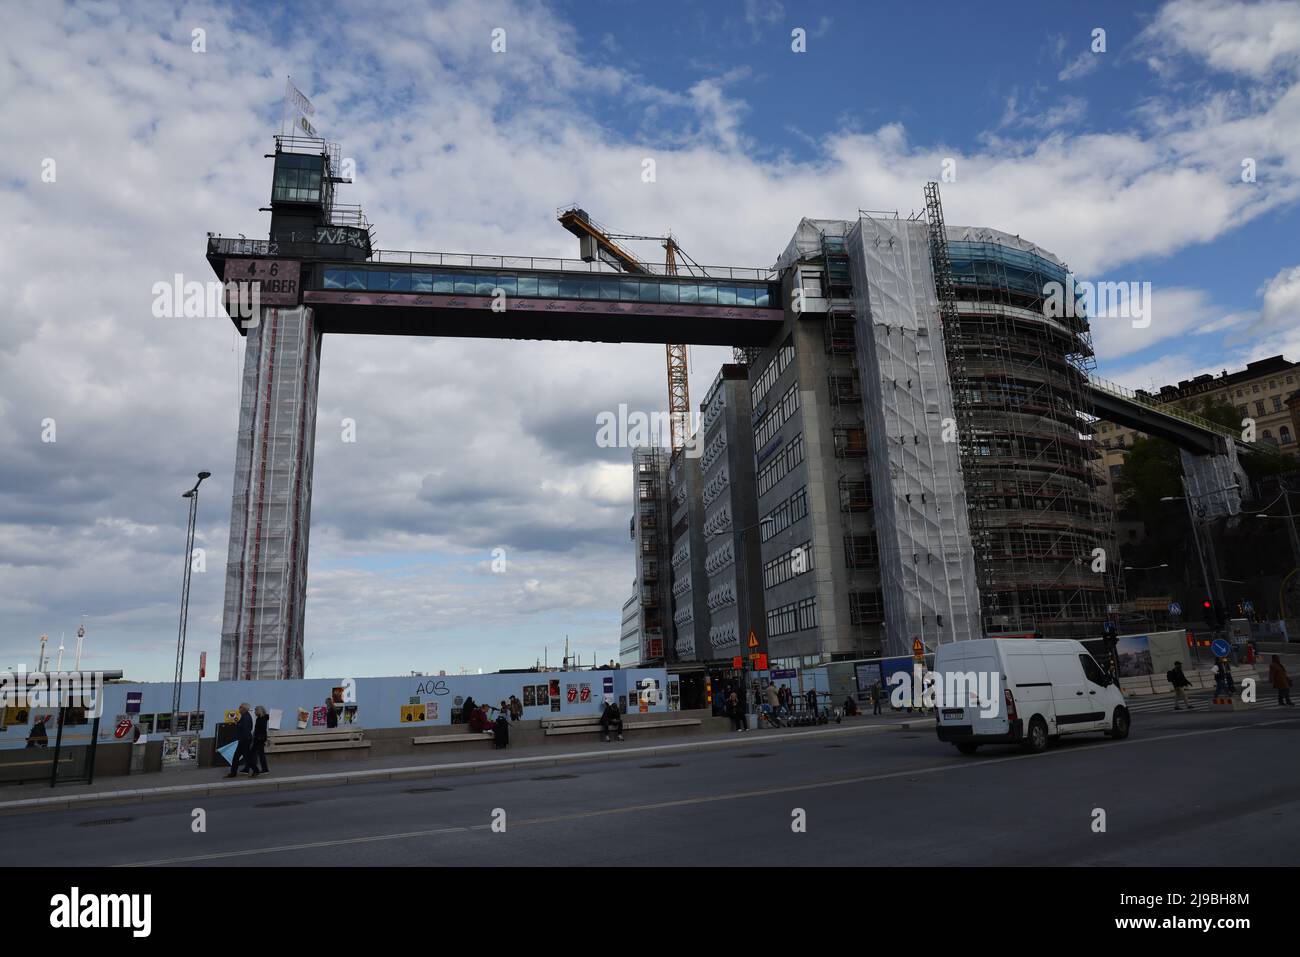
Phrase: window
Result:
[1091,670]
[1277,404]
[1284,434]
[784,515]
[796,616]
[788,565]
[1254,388]
[780,466]
[1259,406]
[1272,383]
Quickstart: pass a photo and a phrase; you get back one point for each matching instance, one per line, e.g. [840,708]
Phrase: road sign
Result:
[1175,609]
[1248,606]
[918,649]
[1220,648]
[753,640]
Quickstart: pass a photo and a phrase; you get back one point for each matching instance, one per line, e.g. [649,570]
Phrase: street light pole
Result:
[193,496]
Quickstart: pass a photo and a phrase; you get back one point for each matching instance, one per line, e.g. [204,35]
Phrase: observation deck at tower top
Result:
[451,294]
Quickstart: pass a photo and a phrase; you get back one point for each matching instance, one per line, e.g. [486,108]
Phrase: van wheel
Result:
[1119,725]
[968,747]
[1036,738]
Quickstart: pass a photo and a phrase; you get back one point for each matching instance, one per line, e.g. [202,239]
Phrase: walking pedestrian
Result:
[244,735]
[468,708]
[736,712]
[331,715]
[257,759]
[1180,682]
[1280,680]
[875,698]
[774,703]
[516,708]
[811,698]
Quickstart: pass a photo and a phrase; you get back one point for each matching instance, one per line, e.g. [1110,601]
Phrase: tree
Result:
[1152,470]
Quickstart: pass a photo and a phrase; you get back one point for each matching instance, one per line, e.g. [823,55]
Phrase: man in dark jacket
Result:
[257,758]
[1179,680]
[244,735]
[331,713]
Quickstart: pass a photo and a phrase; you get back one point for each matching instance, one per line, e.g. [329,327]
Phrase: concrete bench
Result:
[592,725]
[37,769]
[462,737]
[282,742]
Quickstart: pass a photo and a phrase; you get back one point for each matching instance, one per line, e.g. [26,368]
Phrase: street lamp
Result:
[1215,594]
[193,496]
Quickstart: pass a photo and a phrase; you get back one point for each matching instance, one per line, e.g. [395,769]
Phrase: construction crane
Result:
[595,242]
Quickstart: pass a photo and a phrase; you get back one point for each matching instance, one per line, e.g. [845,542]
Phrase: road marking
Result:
[219,855]
[686,802]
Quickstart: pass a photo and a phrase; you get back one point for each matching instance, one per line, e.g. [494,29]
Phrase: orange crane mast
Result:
[597,243]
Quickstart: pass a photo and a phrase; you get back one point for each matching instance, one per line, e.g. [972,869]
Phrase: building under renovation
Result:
[923,464]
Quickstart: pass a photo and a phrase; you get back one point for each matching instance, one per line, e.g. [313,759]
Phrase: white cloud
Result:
[1081,65]
[1250,39]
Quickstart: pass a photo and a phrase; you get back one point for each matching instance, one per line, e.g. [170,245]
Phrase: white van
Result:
[1042,689]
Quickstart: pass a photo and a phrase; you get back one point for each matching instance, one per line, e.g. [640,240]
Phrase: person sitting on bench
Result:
[479,721]
[611,717]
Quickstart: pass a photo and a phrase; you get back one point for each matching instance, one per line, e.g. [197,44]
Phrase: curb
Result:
[379,775]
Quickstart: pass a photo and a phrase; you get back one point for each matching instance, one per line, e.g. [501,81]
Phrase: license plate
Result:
[953,713]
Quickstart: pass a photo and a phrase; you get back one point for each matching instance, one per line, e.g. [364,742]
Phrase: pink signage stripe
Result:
[519,304]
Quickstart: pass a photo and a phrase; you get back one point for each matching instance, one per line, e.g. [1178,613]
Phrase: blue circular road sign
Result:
[1220,648]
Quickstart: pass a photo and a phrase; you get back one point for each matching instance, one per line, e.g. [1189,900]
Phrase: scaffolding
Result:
[266,570]
[1042,531]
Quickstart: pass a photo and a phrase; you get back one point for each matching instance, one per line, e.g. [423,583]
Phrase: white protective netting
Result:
[270,515]
[927,564]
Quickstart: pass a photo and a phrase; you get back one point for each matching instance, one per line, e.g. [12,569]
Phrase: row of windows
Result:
[786,514]
[777,417]
[1272,384]
[780,466]
[296,185]
[1244,410]
[796,616]
[769,375]
[549,287]
[784,567]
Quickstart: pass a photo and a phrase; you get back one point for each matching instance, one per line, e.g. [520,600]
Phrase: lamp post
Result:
[1210,589]
[193,496]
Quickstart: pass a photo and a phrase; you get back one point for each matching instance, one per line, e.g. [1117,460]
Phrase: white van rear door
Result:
[969,692]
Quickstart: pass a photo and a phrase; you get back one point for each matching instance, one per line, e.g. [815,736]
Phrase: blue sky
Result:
[1126,164]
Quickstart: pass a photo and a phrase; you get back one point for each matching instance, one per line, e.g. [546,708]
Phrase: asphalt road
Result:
[1186,789]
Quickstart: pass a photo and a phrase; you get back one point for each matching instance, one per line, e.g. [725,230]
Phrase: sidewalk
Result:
[205,782]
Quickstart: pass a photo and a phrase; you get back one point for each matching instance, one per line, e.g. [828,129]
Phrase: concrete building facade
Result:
[731,560]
